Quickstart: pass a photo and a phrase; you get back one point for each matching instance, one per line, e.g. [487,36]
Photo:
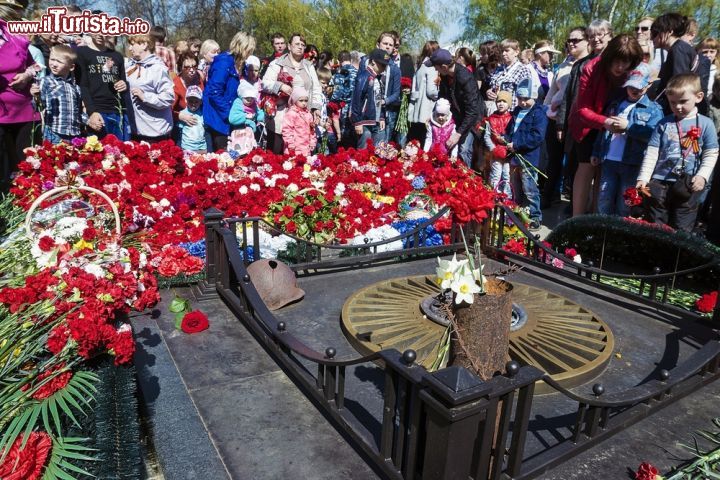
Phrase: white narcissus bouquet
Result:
[461,277]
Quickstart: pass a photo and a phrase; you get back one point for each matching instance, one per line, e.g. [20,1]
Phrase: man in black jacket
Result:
[460,88]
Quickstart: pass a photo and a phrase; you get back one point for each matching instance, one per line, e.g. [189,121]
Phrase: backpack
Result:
[343,88]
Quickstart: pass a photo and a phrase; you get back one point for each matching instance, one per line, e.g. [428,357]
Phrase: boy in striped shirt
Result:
[60,97]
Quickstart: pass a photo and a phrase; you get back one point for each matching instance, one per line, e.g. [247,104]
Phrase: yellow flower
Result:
[306,168]
[385,199]
[81,244]
[92,144]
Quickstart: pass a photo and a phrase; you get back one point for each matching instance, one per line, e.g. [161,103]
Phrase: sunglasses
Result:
[574,41]
[642,29]
[189,67]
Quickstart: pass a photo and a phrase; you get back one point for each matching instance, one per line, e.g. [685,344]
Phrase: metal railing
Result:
[427,418]
[653,289]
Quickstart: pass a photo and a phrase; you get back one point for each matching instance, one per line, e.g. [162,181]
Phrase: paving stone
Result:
[182,444]
[265,428]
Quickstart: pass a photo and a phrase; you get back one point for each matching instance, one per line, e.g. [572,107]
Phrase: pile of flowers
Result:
[164,192]
[65,289]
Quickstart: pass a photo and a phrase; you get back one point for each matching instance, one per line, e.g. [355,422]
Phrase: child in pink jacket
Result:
[298,129]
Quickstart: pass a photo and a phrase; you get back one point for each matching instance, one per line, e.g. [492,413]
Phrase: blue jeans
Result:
[390,121]
[616,177]
[53,137]
[500,177]
[114,125]
[465,149]
[373,132]
[527,193]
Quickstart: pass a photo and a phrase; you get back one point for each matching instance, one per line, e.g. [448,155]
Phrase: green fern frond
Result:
[63,401]
[64,450]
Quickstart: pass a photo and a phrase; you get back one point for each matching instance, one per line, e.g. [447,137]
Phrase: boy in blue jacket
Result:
[525,135]
[367,112]
[621,152]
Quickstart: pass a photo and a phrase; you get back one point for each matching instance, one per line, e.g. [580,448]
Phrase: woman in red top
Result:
[600,80]
[189,75]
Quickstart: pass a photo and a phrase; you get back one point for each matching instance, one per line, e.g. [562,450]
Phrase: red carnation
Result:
[646,472]
[194,322]
[290,227]
[46,243]
[26,463]
[308,210]
[287,211]
[632,197]
[191,265]
[89,234]
[58,339]
[405,82]
[56,383]
[516,246]
[123,346]
[570,252]
[706,303]
[169,267]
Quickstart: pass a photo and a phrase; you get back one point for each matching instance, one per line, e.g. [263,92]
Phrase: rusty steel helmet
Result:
[275,282]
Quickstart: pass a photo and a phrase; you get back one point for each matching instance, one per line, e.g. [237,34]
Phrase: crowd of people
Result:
[600,115]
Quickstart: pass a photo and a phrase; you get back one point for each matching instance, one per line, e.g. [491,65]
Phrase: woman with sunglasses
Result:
[576,47]
[189,75]
[598,34]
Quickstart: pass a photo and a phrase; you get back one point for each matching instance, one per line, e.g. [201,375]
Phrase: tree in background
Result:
[532,20]
[339,24]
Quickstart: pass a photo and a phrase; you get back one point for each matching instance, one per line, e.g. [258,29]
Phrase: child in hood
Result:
[245,117]
[440,128]
[495,127]
[299,127]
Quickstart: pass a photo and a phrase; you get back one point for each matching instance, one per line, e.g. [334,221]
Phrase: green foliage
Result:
[11,216]
[28,413]
[637,247]
[678,297]
[533,20]
[707,463]
[66,453]
[337,25]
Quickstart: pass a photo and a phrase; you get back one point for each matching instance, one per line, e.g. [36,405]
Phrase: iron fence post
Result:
[456,403]
[205,288]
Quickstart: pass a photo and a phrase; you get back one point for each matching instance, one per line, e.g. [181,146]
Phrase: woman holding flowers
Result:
[221,88]
[282,76]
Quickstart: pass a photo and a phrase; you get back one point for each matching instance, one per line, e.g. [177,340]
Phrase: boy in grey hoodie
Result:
[151,91]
